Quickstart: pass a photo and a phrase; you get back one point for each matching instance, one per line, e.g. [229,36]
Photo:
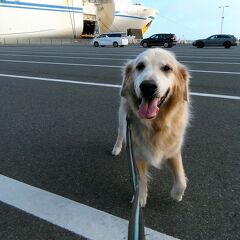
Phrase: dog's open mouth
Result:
[149,108]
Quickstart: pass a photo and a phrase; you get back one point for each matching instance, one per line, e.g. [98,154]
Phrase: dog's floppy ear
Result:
[127,72]
[186,77]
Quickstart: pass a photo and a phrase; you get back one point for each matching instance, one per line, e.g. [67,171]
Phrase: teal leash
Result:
[136,224]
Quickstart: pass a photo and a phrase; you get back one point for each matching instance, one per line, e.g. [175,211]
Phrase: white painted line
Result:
[129,50]
[61,80]
[215,72]
[220,54]
[124,54]
[108,85]
[84,53]
[64,57]
[106,66]
[81,51]
[133,53]
[61,63]
[215,96]
[101,58]
[230,63]
[73,216]
[216,57]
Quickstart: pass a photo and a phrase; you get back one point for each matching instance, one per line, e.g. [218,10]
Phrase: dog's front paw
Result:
[177,192]
[143,199]
[116,150]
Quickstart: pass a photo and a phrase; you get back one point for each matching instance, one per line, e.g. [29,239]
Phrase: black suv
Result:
[162,39]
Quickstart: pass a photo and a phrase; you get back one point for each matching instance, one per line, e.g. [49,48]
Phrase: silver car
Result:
[216,40]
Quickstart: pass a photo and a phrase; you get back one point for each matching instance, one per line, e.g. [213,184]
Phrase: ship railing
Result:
[57,41]
[43,41]
[97,1]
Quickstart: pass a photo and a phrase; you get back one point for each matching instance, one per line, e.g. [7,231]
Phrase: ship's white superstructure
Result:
[71,18]
[130,16]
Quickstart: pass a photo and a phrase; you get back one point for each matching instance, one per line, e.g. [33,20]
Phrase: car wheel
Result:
[96,44]
[166,45]
[115,44]
[200,44]
[227,44]
[145,44]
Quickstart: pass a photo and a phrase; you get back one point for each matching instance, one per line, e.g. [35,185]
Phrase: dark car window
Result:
[212,37]
[154,36]
[165,36]
[114,35]
[102,36]
[224,36]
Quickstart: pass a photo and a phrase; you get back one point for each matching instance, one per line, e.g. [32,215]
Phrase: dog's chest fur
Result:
[159,139]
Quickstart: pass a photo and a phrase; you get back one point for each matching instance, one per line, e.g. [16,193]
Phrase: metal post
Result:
[222,16]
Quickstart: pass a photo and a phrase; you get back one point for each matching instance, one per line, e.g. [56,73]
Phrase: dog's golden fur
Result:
[157,140]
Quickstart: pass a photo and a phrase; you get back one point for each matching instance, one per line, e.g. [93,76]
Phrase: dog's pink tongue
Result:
[148,109]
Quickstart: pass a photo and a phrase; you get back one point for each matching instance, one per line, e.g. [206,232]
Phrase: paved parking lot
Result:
[57,131]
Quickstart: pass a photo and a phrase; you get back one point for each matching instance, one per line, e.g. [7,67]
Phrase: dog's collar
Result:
[162,100]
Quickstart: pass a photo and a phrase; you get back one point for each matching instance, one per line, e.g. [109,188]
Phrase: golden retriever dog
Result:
[154,95]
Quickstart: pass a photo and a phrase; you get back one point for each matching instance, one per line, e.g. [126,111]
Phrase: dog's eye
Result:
[140,66]
[166,68]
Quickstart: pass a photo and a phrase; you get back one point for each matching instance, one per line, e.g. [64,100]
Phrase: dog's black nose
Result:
[148,88]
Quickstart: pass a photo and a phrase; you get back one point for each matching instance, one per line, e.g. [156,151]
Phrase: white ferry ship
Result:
[72,18]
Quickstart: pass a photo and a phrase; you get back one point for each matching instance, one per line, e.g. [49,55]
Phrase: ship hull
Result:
[68,18]
[35,19]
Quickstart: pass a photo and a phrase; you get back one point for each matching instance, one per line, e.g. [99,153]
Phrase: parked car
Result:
[111,39]
[216,40]
[162,39]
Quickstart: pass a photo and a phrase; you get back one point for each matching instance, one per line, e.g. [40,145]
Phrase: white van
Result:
[111,39]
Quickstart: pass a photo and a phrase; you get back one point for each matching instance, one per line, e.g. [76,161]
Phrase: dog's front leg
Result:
[143,181]
[180,180]
[121,128]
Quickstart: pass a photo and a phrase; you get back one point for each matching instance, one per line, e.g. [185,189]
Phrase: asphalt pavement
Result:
[57,134]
